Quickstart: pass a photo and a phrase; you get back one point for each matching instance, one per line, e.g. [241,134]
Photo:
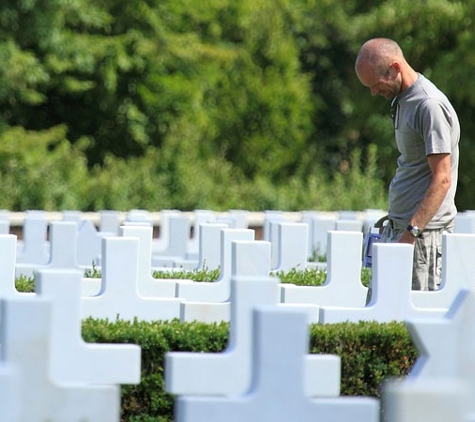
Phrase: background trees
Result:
[218,103]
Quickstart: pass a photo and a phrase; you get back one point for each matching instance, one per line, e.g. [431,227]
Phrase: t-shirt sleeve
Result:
[435,127]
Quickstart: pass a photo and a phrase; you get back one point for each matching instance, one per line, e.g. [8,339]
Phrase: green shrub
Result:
[369,353]
[41,170]
[25,284]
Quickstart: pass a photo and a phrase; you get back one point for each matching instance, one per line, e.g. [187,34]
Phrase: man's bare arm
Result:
[438,188]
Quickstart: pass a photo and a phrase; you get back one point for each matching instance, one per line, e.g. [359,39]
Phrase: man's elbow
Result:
[445,183]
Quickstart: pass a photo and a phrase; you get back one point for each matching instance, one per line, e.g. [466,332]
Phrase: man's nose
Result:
[374,91]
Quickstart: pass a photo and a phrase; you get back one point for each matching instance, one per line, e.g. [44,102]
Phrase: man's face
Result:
[387,84]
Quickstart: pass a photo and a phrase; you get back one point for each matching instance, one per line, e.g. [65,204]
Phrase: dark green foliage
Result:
[215,104]
[370,352]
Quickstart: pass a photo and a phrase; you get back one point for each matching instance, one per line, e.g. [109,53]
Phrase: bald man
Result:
[427,132]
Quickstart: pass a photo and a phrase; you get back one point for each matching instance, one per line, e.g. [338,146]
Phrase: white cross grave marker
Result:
[458,271]
[441,384]
[119,295]
[441,400]
[277,392]
[343,285]
[219,290]
[209,254]
[74,360]
[148,285]
[464,222]
[25,339]
[89,244]
[178,238]
[391,290]
[447,344]
[10,395]
[248,258]
[8,250]
[63,249]
[34,249]
[229,372]
[320,224]
[109,222]
[193,246]
[289,245]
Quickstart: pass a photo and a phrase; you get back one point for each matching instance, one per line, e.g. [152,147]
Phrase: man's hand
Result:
[407,238]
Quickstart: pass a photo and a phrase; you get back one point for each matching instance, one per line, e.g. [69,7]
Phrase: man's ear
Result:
[396,66]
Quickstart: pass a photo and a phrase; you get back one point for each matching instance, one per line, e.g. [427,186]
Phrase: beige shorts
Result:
[427,268]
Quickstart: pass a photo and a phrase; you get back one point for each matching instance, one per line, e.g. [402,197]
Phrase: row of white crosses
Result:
[175,247]
[342,297]
[253,395]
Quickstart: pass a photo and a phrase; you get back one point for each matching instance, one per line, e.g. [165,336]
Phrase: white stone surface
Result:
[447,345]
[147,285]
[343,285]
[349,225]
[428,401]
[276,392]
[120,296]
[34,248]
[465,222]
[193,244]
[179,227]
[289,245]
[25,339]
[109,222]
[8,250]
[72,359]
[209,255]
[63,250]
[250,287]
[219,290]
[391,290]
[248,259]
[458,271]
[320,224]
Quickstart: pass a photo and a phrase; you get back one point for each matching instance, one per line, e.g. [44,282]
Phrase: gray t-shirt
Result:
[425,123]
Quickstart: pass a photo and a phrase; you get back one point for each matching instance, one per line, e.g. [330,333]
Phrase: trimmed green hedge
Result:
[369,352]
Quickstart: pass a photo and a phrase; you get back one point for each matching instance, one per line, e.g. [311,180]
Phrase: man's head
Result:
[379,67]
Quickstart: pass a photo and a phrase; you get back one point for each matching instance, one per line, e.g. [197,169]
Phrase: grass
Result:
[299,277]
[25,284]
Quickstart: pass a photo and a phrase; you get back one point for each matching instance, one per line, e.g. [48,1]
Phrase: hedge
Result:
[369,351]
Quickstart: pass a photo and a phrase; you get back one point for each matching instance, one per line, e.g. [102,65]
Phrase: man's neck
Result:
[408,78]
